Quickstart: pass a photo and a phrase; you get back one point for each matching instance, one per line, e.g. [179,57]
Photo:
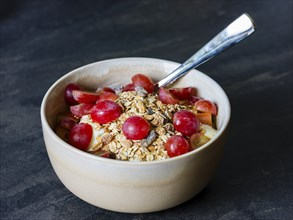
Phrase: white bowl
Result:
[133,187]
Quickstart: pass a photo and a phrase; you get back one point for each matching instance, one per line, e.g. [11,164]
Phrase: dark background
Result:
[43,40]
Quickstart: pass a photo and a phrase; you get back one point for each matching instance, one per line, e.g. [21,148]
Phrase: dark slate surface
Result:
[43,40]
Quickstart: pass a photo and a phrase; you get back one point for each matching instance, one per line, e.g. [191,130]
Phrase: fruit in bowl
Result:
[80,157]
[136,123]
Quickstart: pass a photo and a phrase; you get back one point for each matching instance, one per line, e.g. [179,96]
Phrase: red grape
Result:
[166,97]
[107,96]
[105,111]
[80,136]
[176,145]
[68,93]
[135,128]
[206,106]
[183,93]
[108,89]
[186,122]
[81,109]
[66,123]
[140,80]
[129,87]
[85,96]
[193,99]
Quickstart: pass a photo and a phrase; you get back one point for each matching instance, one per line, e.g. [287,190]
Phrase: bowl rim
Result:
[45,124]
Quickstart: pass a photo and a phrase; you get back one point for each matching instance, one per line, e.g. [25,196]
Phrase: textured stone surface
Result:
[43,40]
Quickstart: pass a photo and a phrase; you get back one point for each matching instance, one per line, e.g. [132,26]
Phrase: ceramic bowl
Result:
[132,187]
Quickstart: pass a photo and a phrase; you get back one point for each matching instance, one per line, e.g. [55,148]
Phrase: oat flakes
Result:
[158,114]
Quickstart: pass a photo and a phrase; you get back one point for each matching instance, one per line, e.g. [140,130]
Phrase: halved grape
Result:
[140,80]
[107,96]
[129,87]
[166,97]
[66,123]
[85,96]
[204,105]
[81,109]
[68,97]
[183,93]
[193,99]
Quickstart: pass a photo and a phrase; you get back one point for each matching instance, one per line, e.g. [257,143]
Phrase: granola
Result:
[137,103]
[135,123]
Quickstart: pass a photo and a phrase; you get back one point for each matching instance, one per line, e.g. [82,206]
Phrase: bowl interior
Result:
[119,71]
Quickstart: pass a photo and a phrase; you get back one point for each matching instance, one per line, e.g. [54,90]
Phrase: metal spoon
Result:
[238,30]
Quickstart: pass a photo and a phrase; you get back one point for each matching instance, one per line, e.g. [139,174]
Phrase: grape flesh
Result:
[183,93]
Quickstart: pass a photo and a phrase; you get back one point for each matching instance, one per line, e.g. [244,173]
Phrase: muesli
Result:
[134,122]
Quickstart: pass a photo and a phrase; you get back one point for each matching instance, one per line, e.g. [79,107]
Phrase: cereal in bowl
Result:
[135,123]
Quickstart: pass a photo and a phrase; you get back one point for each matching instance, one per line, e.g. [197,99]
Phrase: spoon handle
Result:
[238,30]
